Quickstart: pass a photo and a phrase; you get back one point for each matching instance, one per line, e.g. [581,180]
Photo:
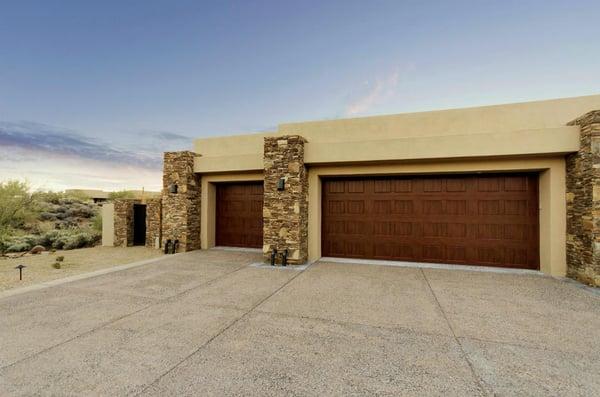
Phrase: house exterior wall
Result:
[532,137]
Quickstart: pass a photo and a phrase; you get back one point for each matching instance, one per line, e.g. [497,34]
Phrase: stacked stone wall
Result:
[285,213]
[181,210]
[583,203]
[123,220]
[153,222]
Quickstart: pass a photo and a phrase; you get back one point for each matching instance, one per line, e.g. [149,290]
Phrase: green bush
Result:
[60,241]
[96,223]
[48,238]
[3,244]
[18,247]
[77,241]
[54,239]
[55,220]
[17,205]
[20,243]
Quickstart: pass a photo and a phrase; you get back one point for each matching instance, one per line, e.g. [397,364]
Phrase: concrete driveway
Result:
[211,323]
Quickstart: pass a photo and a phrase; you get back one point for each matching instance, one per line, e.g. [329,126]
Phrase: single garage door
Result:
[489,219]
[239,221]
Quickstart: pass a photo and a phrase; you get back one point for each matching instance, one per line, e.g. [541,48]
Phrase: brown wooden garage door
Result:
[239,221]
[489,220]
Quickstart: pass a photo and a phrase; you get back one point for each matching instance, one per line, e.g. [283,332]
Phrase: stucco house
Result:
[513,185]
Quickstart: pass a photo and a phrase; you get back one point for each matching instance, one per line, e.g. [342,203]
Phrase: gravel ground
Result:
[39,267]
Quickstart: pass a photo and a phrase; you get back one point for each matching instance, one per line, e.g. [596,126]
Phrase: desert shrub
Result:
[70,238]
[96,222]
[61,215]
[4,244]
[56,265]
[47,216]
[80,210]
[21,243]
[48,197]
[18,247]
[30,239]
[47,238]
[60,241]
[51,219]
[60,258]
[78,240]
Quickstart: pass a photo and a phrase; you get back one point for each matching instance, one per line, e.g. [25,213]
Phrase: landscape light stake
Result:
[20,267]
[273,256]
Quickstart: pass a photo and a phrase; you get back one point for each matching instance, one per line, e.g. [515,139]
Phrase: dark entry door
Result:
[239,218]
[139,224]
[489,220]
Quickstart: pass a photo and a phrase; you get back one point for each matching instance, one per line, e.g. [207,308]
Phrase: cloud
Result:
[51,171]
[50,140]
[375,93]
[55,158]
[165,135]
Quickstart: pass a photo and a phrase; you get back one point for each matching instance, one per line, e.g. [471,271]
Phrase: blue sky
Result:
[91,92]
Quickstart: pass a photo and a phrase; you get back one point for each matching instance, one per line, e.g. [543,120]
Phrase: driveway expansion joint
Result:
[105,324]
[227,327]
[479,381]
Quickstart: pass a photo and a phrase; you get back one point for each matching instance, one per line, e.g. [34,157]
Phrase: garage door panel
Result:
[239,221]
[467,219]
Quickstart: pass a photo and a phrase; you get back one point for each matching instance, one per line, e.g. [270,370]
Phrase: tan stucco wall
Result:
[108,225]
[209,201]
[531,128]
[552,197]
[477,120]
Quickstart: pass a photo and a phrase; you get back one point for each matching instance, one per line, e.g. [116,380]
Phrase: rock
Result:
[37,250]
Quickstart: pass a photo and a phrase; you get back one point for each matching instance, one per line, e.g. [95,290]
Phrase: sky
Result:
[92,92]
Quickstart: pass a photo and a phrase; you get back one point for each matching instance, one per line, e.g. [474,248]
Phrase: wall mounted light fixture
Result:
[281,184]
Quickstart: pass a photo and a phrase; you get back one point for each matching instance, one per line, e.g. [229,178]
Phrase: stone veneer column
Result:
[123,220]
[583,203]
[181,210]
[153,222]
[285,213]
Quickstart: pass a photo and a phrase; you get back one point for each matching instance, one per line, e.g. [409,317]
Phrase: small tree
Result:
[16,205]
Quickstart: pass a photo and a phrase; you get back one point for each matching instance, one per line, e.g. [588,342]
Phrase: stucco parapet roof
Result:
[592,117]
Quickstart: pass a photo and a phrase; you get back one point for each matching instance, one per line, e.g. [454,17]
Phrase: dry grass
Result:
[39,267]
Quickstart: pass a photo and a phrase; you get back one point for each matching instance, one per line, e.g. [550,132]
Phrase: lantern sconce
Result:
[173,188]
[281,184]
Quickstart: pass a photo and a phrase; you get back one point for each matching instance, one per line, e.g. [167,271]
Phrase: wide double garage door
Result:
[483,219]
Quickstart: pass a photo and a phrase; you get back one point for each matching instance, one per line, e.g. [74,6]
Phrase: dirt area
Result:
[39,267]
